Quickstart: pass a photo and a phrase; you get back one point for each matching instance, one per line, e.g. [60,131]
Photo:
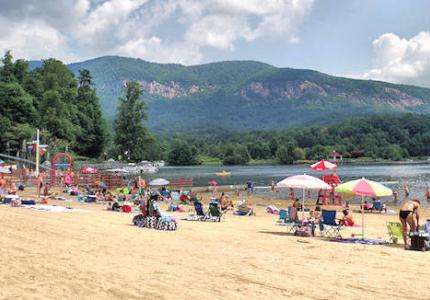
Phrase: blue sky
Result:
[371,39]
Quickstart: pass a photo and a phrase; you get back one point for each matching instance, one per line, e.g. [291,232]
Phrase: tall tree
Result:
[131,136]
[93,134]
[7,70]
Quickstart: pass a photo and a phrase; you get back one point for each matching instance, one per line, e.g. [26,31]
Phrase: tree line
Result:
[51,98]
[391,137]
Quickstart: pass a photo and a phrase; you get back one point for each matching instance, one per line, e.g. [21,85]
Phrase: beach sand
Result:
[98,254]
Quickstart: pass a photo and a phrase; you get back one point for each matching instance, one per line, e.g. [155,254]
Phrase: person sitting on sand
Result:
[242,209]
[13,189]
[347,219]
[47,190]
[225,202]
[315,215]
[409,217]
[366,206]
[109,196]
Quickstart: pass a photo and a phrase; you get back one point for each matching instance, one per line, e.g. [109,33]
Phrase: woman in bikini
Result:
[409,216]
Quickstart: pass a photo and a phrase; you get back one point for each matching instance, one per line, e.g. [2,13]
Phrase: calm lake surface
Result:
[415,175]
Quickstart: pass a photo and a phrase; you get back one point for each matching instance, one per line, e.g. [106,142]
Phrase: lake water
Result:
[416,175]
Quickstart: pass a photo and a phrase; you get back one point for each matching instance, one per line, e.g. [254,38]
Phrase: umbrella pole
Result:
[362,217]
[303,205]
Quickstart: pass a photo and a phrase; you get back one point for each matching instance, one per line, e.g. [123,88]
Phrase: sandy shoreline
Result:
[98,254]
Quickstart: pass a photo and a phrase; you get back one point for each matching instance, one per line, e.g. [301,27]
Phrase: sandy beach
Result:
[98,254]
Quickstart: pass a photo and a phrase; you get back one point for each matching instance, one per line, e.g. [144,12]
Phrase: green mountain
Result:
[246,94]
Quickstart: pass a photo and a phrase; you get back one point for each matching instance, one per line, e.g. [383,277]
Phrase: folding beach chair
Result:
[291,221]
[200,215]
[215,213]
[328,226]
[394,231]
[378,206]
[283,215]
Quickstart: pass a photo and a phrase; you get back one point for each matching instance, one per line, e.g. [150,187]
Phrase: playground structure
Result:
[54,164]
[328,197]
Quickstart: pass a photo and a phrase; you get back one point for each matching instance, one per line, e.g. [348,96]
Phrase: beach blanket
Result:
[361,241]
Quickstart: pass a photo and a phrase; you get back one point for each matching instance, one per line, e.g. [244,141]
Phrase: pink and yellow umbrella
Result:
[364,188]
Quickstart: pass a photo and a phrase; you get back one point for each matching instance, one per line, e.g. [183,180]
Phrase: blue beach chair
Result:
[283,215]
[328,226]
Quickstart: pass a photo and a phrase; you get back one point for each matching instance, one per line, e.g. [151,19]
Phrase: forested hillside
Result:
[245,94]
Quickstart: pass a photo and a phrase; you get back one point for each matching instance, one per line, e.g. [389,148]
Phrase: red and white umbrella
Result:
[89,170]
[212,182]
[323,165]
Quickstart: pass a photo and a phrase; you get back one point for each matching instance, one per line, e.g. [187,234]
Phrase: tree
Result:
[182,154]
[236,155]
[283,155]
[131,136]
[93,132]
[299,154]
[7,70]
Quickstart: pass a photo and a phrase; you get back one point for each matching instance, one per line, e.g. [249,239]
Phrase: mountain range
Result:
[245,94]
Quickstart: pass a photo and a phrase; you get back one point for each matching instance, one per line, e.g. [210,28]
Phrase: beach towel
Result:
[361,241]
[272,209]
[52,208]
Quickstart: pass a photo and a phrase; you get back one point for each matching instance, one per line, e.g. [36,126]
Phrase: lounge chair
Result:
[215,213]
[328,226]
[394,231]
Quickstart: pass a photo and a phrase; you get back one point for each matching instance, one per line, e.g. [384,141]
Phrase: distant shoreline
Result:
[339,163]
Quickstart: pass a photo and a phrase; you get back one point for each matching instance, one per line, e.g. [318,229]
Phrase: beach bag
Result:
[304,231]
[126,208]
[419,241]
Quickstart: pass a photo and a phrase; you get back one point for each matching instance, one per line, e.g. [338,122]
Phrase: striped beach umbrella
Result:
[364,188]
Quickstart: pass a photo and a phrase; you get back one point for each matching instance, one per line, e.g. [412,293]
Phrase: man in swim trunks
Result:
[409,216]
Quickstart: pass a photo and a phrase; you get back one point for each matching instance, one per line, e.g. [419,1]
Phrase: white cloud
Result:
[33,40]
[402,60]
[91,28]
[153,49]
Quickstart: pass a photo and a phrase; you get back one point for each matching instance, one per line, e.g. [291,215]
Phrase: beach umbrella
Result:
[159,182]
[364,188]
[323,165]
[304,182]
[89,170]
[212,182]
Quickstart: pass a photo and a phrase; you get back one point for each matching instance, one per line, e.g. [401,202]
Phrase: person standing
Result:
[39,184]
[409,217]
[406,189]
[428,194]
[273,186]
